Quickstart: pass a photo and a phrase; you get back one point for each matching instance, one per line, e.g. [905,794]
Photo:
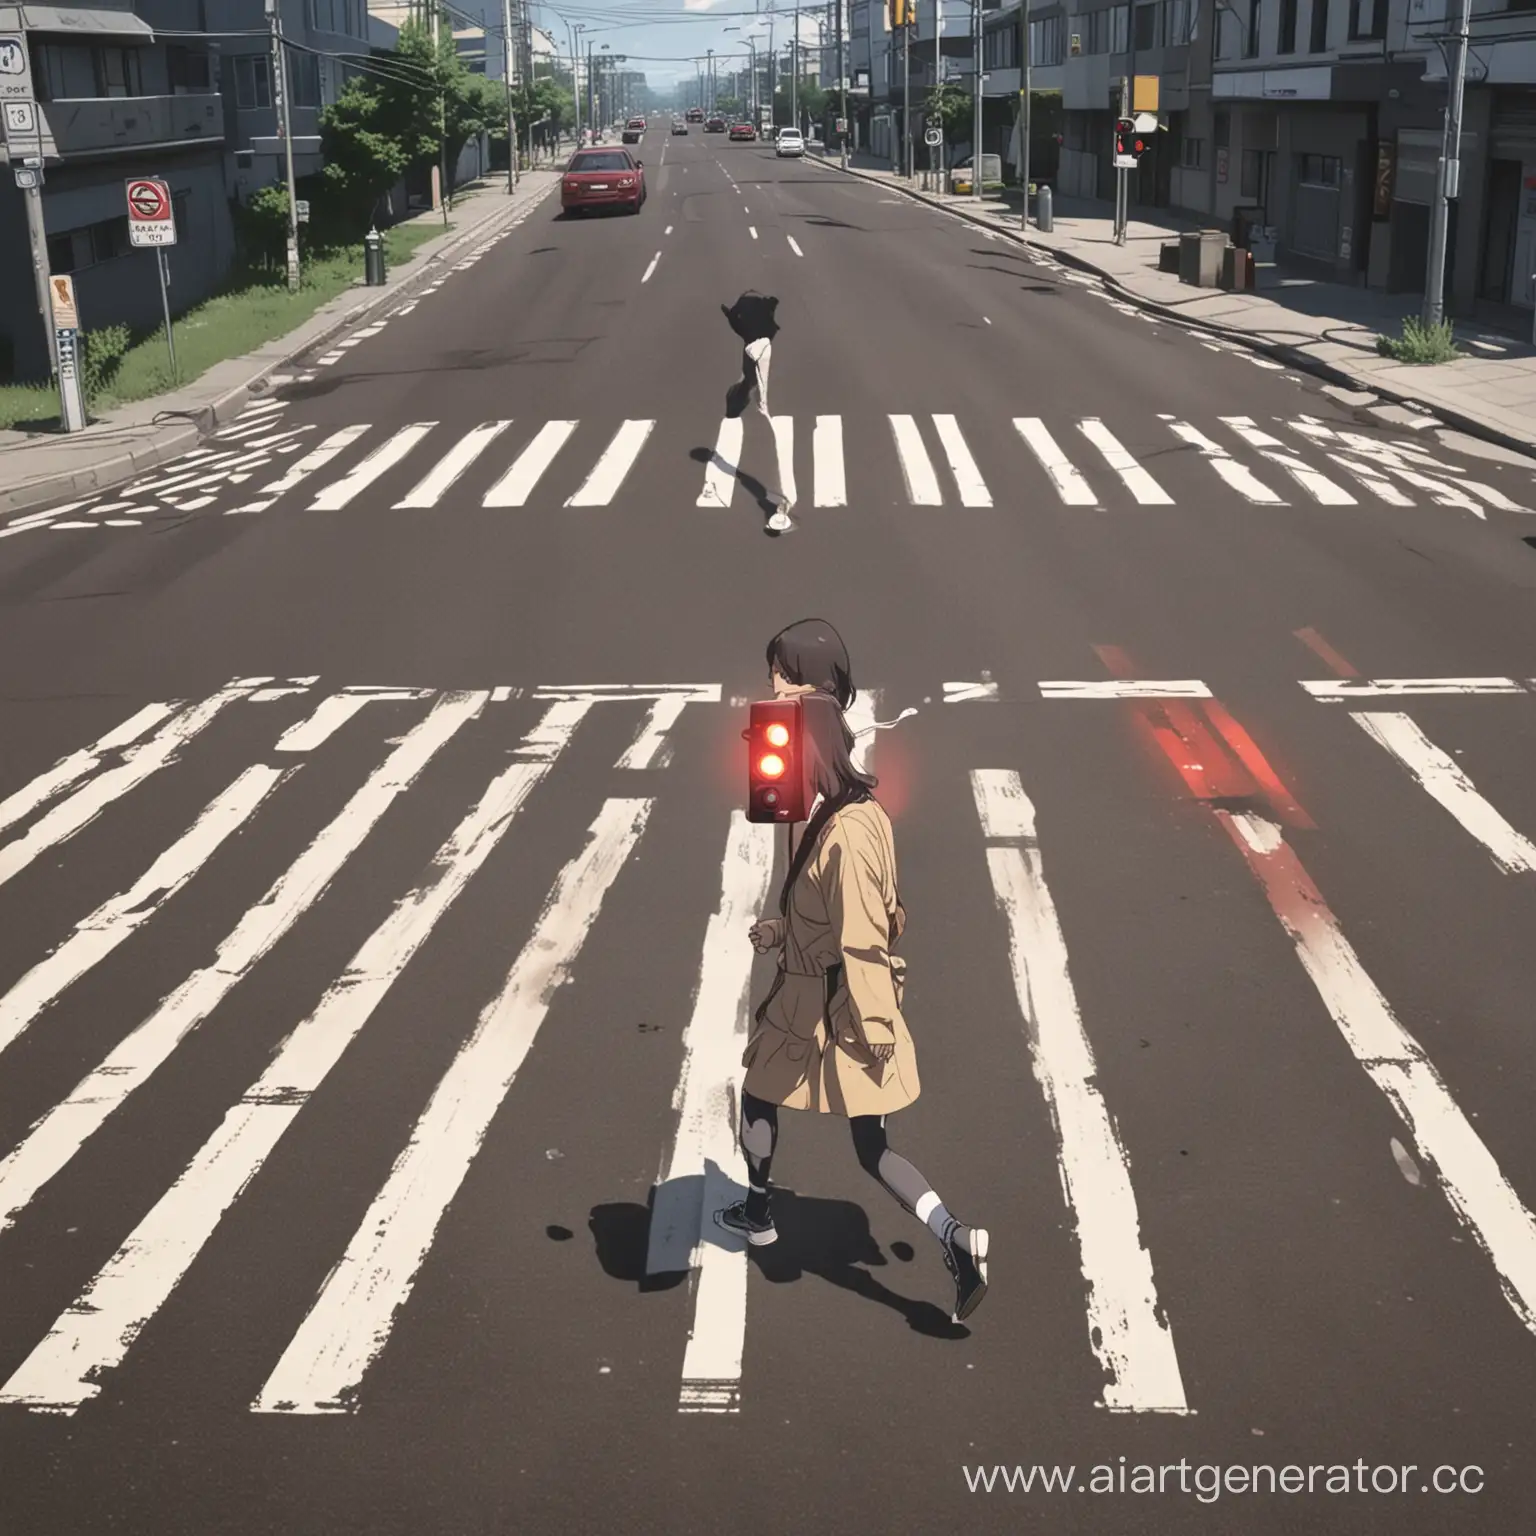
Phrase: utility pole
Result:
[842,88]
[506,69]
[37,232]
[1025,124]
[280,92]
[1448,178]
[906,90]
[794,76]
[977,36]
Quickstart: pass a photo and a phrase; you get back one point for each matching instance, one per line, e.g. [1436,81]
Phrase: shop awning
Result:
[97,21]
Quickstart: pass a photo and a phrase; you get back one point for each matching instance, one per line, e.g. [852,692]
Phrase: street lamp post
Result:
[1448,175]
[978,35]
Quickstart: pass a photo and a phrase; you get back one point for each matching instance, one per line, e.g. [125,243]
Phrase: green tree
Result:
[952,107]
[811,100]
[362,149]
[729,106]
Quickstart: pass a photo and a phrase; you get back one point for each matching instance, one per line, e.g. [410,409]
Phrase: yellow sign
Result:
[1144,93]
[65,316]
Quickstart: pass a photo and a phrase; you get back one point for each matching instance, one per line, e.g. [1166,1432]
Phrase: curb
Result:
[171,442]
[1279,352]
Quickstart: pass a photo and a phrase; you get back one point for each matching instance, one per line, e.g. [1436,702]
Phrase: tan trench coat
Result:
[805,1053]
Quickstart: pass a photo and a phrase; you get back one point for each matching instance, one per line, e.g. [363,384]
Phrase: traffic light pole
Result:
[1122,182]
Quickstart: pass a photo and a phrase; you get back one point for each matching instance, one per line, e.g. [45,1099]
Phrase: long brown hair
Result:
[830,772]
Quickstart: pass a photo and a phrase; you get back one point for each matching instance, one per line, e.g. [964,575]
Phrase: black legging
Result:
[760,1137]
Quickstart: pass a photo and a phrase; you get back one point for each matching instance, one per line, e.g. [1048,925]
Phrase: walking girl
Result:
[752,319]
[830,1036]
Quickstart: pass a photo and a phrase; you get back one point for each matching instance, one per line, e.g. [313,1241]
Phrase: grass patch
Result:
[256,308]
[1421,343]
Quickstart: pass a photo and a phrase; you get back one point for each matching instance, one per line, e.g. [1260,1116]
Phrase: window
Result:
[1251,33]
[190,71]
[1222,130]
[253,82]
[1120,29]
[1367,20]
[1146,28]
[1319,40]
[48,71]
[1001,48]
[1193,155]
[1047,41]
[1287,39]
[304,78]
[78,248]
[117,72]
[1175,23]
[1319,170]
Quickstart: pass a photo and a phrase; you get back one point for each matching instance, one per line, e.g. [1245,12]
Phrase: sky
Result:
[662,38]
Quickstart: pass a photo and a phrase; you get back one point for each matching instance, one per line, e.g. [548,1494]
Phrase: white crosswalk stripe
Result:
[1070,485]
[720,476]
[1316,485]
[446,472]
[618,459]
[973,489]
[302,469]
[381,460]
[1130,1320]
[1238,476]
[916,467]
[1141,485]
[517,485]
[831,481]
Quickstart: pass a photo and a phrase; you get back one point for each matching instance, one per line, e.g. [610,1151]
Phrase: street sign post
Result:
[66,334]
[301,211]
[933,137]
[152,223]
[24,142]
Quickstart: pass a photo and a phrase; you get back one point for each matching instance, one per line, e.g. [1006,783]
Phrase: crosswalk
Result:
[266,459]
[526,737]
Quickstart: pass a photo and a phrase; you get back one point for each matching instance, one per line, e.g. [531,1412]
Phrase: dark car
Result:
[603,178]
[715,125]
[634,130]
[743,132]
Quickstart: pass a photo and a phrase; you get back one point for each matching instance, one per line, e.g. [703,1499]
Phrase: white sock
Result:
[932,1212]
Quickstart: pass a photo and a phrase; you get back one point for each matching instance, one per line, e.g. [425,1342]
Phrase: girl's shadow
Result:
[753,487]
[826,1238]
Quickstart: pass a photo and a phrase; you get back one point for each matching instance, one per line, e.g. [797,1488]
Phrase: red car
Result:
[603,178]
[743,131]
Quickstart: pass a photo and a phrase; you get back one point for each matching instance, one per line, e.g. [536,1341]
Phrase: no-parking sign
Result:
[150,221]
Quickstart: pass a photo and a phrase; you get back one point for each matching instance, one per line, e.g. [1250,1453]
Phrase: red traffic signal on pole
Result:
[775,762]
[1127,141]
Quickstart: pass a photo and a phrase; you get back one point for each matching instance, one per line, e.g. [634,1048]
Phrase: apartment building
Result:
[115,99]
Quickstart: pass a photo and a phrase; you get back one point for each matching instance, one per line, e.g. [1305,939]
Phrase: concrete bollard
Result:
[1043,210]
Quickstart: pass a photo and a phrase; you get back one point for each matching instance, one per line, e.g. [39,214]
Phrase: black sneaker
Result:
[734,1218]
[966,1259]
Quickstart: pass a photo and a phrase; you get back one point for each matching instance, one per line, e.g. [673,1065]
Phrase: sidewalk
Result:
[131,439]
[1324,328]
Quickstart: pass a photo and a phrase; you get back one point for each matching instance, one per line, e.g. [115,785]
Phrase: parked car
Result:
[603,178]
[634,130]
[791,142]
[743,131]
[715,125]
[679,125]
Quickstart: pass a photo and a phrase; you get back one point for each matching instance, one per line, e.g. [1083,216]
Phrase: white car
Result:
[791,142]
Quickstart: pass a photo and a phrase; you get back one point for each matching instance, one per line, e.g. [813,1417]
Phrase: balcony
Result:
[104,125]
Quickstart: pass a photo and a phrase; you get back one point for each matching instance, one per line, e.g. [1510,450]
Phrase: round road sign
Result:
[147,200]
[933,136]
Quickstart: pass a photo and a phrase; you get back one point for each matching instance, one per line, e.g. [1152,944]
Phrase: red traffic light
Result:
[776,789]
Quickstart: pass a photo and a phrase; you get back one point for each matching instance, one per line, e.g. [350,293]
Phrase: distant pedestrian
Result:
[830,1036]
[752,319]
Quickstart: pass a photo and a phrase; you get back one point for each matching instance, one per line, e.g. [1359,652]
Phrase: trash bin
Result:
[373,259]
[1200,257]
[1043,211]
[1168,256]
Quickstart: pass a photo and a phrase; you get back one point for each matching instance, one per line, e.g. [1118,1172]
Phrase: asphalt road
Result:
[365,1057]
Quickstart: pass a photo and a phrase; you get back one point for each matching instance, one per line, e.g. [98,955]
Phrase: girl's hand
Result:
[766,935]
